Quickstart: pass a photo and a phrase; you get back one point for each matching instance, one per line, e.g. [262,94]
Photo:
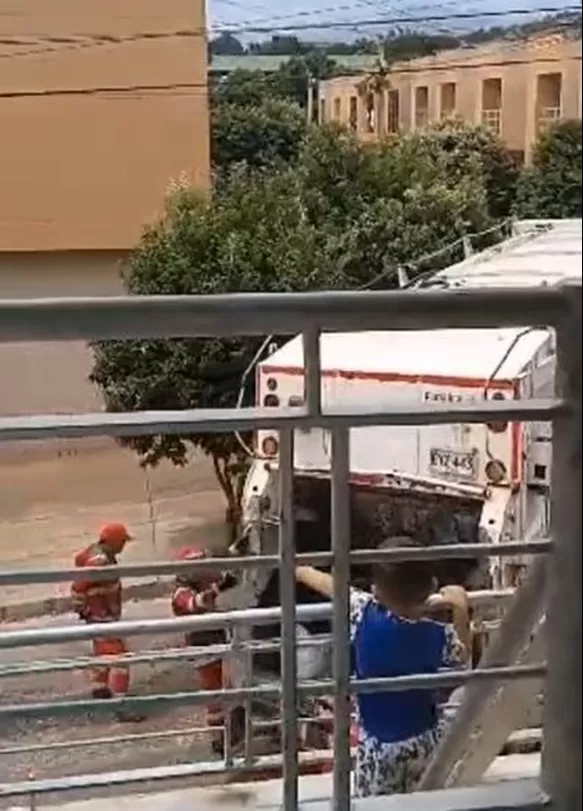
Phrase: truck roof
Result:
[540,254]
[464,354]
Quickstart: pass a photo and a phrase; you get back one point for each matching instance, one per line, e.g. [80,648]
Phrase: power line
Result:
[80,41]
[312,13]
[108,39]
[391,21]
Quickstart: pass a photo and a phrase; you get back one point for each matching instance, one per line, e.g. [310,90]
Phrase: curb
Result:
[52,606]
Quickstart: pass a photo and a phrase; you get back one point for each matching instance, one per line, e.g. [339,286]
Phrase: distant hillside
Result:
[394,45]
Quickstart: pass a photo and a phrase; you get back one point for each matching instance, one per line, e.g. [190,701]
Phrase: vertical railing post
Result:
[340,512]
[561,759]
[287,581]
[525,611]
[313,380]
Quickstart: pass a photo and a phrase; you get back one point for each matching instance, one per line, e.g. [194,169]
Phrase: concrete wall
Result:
[54,494]
[52,377]
[102,104]
[517,65]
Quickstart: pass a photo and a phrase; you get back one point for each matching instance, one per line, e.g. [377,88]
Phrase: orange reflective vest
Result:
[97,600]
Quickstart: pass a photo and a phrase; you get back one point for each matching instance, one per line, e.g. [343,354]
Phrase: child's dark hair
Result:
[409,582]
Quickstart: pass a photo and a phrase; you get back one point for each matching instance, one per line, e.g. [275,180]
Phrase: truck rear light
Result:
[497,427]
[495,471]
[271,383]
[271,401]
[295,401]
[270,446]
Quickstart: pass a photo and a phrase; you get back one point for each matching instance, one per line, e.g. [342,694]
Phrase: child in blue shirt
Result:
[391,635]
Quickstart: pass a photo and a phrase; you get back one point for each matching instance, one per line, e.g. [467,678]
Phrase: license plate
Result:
[445,462]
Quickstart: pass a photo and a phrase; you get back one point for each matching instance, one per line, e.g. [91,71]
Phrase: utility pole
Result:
[310,98]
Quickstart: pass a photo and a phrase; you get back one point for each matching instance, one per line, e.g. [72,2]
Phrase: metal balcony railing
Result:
[547,116]
[492,120]
[311,314]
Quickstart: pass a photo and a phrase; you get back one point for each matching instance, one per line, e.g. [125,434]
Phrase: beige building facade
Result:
[102,105]
[514,88]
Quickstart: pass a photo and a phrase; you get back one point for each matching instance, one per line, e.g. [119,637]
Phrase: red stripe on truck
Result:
[395,377]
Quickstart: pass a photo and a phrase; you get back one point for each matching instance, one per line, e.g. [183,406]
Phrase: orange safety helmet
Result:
[115,536]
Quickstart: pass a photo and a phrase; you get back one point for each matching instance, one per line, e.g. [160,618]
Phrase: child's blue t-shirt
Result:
[386,645]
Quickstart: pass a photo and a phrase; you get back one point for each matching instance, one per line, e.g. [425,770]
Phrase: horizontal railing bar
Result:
[88,319]
[143,736]
[12,577]
[115,740]
[424,681]
[515,795]
[155,774]
[225,420]
[530,737]
[195,654]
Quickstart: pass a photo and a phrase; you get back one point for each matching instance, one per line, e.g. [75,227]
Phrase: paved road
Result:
[54,503]
[82,758]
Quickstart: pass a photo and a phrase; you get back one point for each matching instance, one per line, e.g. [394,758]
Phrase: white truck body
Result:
[507,467]
[475,483]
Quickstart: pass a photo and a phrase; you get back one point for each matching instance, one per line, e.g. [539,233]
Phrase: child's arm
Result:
[458,635]
[323,583]
[457,598]
[320,582]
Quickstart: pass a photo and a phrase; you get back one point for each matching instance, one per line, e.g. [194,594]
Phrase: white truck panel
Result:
[455,452]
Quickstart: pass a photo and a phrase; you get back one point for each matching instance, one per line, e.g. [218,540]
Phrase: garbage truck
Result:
[437,484]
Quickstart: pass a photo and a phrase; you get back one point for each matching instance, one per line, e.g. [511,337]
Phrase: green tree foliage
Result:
[253,237]
[280,45]
[386,205]
[458,146]
[551,187]
[259,118]
[257,134]
[289,82]
[242,87]
[226,44]
[412,45]
[292,79]
[337,215]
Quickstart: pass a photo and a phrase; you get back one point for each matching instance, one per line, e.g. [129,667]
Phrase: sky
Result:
[281,15]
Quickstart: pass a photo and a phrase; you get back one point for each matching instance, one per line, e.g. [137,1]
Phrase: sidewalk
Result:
[54,505]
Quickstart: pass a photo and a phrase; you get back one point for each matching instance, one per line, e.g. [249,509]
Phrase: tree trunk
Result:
[233,493]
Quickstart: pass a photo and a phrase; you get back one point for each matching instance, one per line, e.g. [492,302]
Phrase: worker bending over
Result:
[197,593]
[392,636]
[100,601]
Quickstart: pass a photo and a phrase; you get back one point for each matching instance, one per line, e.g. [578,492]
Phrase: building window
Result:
[421,106]
[517,156]
[337,109]
[492,105]
[548,99]
[448,100]
[322,110]
[393,113]
[370,113]
[353,114]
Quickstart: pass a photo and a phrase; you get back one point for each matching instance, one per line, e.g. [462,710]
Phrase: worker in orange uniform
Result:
[100,601]
[197,593]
